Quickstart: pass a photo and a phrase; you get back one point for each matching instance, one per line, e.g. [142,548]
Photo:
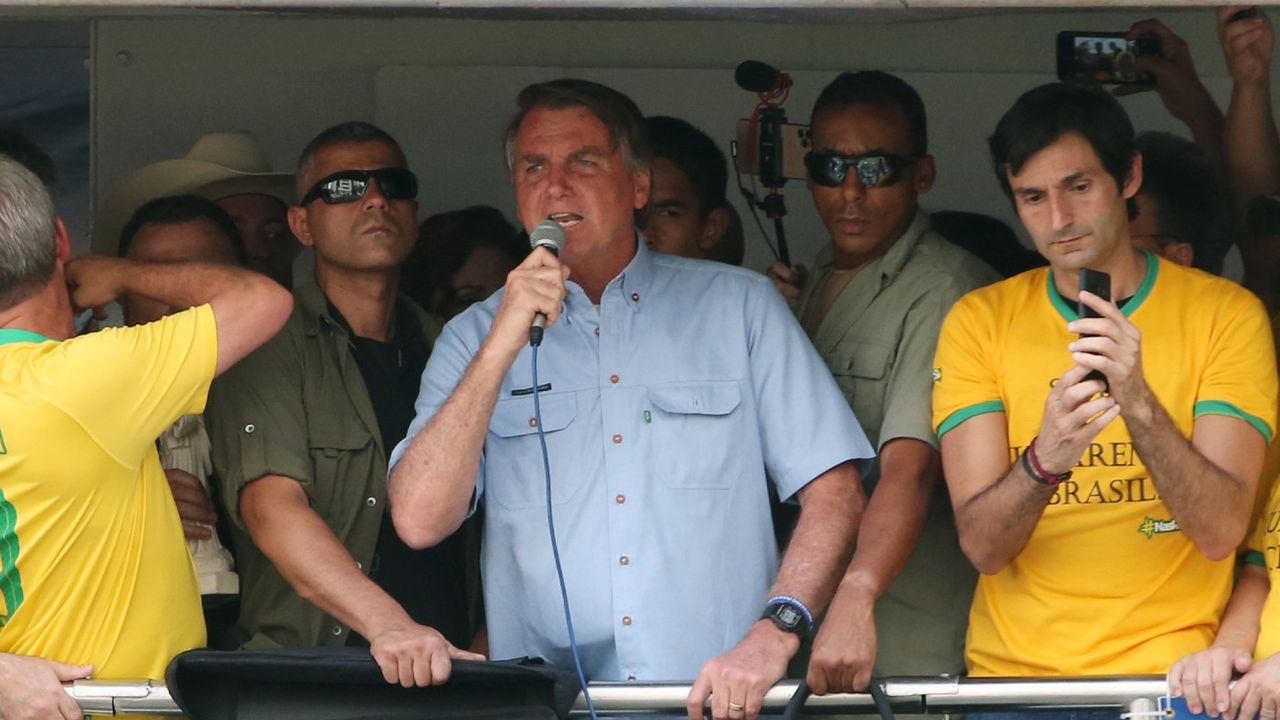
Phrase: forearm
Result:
[187,284]
[1209,504]
[821,545]
[995,524]
[1205,121]
[321,570]
[1252,147]
[1240,621]
[893,521]
[431,486]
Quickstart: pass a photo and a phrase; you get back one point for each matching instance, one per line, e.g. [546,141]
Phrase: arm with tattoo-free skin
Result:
[998,505]
[1207,482]
[248,308]
[830,508]
[1204,678]
[430,487]
[844,651]
[1179,88]
[1252,145]
[279,517]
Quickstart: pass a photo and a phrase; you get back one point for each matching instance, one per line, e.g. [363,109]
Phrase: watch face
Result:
[787,615]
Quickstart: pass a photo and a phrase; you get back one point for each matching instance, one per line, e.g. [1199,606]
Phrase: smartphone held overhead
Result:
[1108,58]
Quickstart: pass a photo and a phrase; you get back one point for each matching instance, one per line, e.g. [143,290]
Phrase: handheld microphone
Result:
[550,235]
[758,77]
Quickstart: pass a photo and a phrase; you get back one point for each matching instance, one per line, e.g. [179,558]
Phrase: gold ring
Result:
[735,707]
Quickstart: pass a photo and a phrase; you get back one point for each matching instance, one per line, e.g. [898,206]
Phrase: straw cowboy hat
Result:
[219,165]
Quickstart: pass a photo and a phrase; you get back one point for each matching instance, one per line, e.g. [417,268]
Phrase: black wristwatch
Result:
[789,616]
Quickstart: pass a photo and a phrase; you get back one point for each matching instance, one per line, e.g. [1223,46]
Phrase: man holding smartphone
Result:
[1104,518]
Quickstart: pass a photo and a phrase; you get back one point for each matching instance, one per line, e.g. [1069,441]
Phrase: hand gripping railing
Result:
[932,695]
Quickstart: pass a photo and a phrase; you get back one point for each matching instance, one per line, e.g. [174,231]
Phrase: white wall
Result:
[160,83]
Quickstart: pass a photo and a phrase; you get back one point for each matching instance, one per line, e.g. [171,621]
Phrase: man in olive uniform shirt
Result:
[873,306]
[301,430]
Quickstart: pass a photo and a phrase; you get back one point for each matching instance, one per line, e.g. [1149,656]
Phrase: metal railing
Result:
[919,695]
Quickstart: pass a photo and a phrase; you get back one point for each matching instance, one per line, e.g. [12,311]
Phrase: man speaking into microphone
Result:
[668,388]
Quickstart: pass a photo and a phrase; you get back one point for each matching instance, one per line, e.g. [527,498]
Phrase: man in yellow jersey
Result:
[1103,515]
[94,576]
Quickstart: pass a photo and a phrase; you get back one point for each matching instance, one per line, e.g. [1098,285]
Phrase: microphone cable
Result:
[555,549]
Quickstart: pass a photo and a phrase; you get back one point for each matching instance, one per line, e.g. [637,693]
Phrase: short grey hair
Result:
[617,112]
[28,251]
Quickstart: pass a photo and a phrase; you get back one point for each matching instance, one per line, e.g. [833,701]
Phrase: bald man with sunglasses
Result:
[301,430]
[873,306]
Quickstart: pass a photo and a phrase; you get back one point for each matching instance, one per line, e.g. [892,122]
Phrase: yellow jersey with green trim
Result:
[1264,550]
[93,565]
[1107,583]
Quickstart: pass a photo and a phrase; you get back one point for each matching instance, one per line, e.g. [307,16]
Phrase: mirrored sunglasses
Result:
[351,185]
[874,171]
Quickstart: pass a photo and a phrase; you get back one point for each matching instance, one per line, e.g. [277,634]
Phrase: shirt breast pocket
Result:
[340,450]
[697,433]
[862,377]
[513,455]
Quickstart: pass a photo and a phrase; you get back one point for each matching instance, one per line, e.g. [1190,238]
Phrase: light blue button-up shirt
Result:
[662,411]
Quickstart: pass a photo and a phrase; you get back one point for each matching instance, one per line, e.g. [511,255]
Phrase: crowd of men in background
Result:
[931,451]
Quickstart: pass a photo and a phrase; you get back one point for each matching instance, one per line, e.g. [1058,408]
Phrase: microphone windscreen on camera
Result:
[756,76]
[547,234]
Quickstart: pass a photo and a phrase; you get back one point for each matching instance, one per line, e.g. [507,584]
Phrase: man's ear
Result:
[643,180]
[1181,253]
[713,229]
[926,173]
[61,240]
[298,224]
[1133,183]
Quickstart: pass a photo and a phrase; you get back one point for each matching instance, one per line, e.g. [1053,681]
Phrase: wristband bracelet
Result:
[1031,464]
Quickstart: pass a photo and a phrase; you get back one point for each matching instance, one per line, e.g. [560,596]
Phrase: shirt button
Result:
[614,379]
[620,499]
[624,560]
[249,428]
[626,620]
[533,422]
[617,439]
[336,631]
[597,330]
[635,297]
[631,678]
[371,501]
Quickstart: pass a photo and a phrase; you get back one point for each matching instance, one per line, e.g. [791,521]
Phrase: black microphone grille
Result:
[755,76]
[547,234]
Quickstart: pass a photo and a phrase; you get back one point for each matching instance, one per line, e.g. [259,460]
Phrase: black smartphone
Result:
[1104,57]
[1098,283]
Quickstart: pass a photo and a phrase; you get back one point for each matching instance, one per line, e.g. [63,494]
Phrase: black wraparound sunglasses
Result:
[351,185]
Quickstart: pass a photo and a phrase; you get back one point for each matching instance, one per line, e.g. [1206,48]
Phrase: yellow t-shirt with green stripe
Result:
[1264,550]
[1107,583]
[93,566]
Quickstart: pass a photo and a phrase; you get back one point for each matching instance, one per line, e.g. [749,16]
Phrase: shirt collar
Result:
[892,262]
[634,280]
[313,307]
[17,335]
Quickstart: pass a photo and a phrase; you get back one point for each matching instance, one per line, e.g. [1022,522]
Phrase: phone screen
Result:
[1103,57]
